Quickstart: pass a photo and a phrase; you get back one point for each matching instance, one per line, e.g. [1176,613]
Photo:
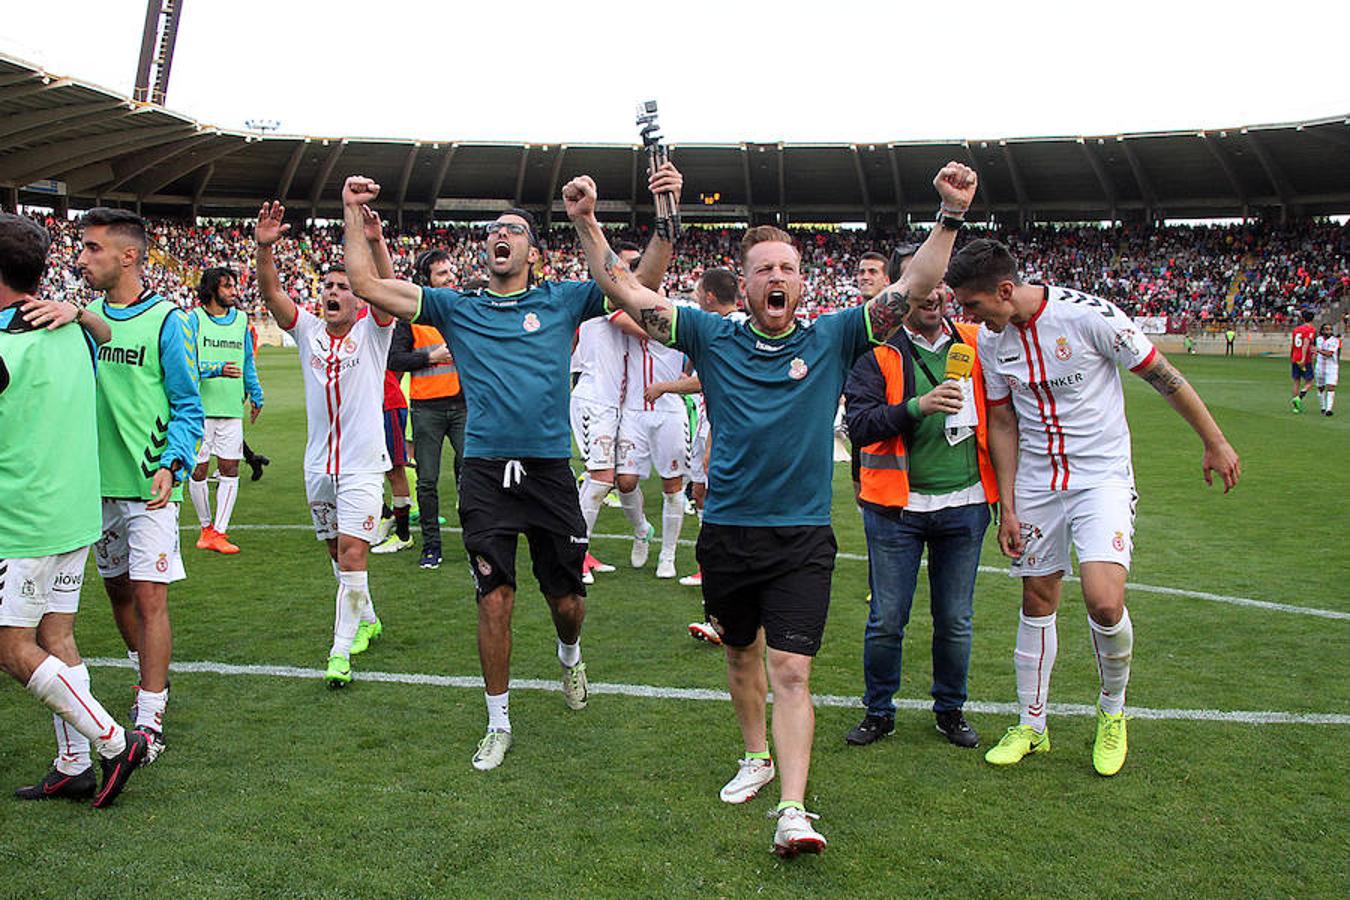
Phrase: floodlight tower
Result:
[157,41]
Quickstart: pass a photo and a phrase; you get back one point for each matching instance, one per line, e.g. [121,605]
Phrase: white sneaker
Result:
[703,631]
[574,687]
[795,833]
[641,547]
[695,580]
[392,544]
[382,531]
[491,750]
[751,775]
[587,577]
[665,567]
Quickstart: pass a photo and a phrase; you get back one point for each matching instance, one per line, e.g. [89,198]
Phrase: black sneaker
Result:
[57,784]
[154,744]
[952,725]
[871,728]
[256,463]
[117,771]
[431,558]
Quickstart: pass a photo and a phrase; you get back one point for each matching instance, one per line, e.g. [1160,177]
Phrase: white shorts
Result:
[140,542]
[595,428]
[32,587]
[653,440]
[1326,372]
[1098,521]
[698,470]
[223,439]
[345,504]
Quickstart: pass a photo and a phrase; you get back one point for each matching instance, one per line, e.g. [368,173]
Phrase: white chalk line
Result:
[651,692]
[989,570]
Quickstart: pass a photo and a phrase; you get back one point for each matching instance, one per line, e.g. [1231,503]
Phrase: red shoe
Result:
[221,544]
[594,565]
[204,540]
[695,580]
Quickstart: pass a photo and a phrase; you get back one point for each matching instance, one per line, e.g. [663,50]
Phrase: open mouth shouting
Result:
[333,306]
[775,302]
[501,251]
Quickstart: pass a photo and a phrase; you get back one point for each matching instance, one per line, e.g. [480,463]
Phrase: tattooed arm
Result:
[651,270]
[649,309]
[1219,455]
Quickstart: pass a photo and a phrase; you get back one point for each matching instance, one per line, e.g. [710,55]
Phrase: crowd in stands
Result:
[1256,272]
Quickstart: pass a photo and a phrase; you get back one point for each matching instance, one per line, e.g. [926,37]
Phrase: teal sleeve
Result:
[252,386]
[585,299]
[178,356]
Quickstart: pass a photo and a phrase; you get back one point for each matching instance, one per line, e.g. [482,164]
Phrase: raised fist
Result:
[956,186]
[579,197]
[359,190]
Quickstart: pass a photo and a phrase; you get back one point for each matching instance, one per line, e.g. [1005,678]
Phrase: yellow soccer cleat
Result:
[1108,751]
[1017,742]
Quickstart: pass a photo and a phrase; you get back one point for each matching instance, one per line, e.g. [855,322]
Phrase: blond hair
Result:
[763,234]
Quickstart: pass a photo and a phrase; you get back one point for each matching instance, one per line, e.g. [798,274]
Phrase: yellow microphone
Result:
[960,361]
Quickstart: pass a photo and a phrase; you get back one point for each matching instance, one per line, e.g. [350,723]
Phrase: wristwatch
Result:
[949,221]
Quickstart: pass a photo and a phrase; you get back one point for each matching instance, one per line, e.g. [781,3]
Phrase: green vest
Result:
[133,409]
[222,398]
[47,444]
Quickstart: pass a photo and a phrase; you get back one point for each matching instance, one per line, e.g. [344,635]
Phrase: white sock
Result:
[200,492]
[226,493]
[337,571]
[72,748]
[150,708]
[56,685]
[368,611]
[569,654]
[700,517]
[592,497]
[672,519]
[135,661]
[1114,646]
[1033,658]
[499,718]
[352,596]
[632,509]
[400,502]
[1331,400]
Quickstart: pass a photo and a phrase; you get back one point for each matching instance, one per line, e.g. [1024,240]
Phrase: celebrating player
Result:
[766,548]
[342,357]
[1326,368]
[1061,450]
[1301,360]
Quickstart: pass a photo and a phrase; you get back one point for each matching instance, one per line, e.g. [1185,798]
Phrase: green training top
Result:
[935,466]
[217,344]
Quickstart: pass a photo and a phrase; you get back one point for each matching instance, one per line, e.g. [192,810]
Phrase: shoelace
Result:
[1114,729]
[774,813]
[513,473]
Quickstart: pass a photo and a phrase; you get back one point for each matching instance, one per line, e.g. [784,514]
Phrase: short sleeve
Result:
[995,388]
[689,330]
[853,331]
[1116,337]
[583,299]
[434,308]
[304,324]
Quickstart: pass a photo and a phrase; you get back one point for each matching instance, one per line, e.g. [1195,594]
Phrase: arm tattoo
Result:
[617,269]
[1166,380]
[656,322]
[887,310]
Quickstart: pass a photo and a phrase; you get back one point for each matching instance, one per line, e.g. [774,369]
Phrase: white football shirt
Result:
[1060,371]
[598,358]
[648,362]
[344,394]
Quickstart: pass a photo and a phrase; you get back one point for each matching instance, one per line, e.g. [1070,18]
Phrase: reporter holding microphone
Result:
[916,405]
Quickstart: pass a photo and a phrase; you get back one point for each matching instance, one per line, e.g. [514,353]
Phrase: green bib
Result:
[133,409]
[222,398]
[47,444]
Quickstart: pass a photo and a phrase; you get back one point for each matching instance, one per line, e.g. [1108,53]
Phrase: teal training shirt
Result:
[771,405]
[514,355]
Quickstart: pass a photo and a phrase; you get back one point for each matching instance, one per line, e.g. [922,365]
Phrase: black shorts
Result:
[541,503]
[778,578]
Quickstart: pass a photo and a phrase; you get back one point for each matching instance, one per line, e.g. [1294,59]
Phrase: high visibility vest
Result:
[438,379]
[885,465]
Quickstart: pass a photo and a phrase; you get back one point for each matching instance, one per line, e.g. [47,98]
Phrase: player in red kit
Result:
[1301,358]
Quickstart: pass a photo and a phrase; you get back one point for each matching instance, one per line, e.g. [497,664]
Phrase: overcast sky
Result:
[726,71]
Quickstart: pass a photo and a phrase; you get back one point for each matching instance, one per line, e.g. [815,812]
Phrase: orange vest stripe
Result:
[439,380]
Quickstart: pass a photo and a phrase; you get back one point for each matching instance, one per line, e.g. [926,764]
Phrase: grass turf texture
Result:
[277,786]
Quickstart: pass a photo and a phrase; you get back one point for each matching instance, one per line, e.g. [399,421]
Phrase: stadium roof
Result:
[60,137]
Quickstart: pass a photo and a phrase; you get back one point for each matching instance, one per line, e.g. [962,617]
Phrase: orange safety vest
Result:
[885,467]
[436,380]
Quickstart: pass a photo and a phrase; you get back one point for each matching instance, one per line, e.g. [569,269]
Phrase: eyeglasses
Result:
[515,228]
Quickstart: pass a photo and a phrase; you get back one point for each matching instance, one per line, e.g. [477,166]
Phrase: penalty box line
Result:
[652,692]
[988,570]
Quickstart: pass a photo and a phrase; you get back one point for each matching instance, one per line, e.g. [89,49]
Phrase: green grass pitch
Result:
[275,786]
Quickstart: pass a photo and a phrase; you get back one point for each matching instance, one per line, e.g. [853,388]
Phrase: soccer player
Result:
[1301,360]
[342,357]
[766,548]
[1326,368]
[1061,450]
[395,531]
[511,345]
[225,360]
[47,396]
[149,422]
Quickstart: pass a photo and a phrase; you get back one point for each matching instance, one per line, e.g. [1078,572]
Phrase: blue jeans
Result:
[894,549]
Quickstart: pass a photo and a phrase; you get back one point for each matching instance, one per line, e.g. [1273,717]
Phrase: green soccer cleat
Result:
[1297,404]
[339,672]
[1108,751]
[365,633]
[1017,742]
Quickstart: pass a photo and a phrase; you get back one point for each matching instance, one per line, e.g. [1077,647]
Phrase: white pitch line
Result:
[652,692]
[988,570]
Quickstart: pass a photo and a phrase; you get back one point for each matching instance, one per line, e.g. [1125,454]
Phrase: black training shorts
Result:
[778,578]
[499,500]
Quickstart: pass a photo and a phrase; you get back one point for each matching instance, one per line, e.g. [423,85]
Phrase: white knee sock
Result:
[1114,646]
[672,519]
[150,708]
[56,685]
[72,748]
[593,495]
[352,596]
[499,717]
[200,492]
[1034,658]
[226,493]
[1331,399]
[632,508]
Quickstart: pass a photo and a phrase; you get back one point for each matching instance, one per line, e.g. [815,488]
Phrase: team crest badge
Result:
[1062,351]
[162,564]
[349,345]
[531,323]
[315,363]
[797,369]
[368,524]
[1119,542]
[484,567]
[28,590]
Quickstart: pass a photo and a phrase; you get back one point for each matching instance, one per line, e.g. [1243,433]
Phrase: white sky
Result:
[830,71]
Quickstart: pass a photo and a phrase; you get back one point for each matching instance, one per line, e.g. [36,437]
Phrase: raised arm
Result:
[267,232]
[379,250]
[388,295]
[956,186]
[649,309]
[1219,455]
[651,270]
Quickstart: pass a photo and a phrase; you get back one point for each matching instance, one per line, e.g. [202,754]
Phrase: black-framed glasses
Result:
[515,228]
